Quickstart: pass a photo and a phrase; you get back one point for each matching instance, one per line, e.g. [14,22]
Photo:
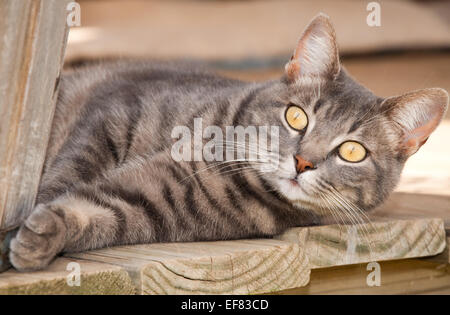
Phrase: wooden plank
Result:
[411,276]
[224,267]
[443,257]
[95,278]
[403,205]
[402,228]
[413,205]
[33,36]
[263,266]
[336,245]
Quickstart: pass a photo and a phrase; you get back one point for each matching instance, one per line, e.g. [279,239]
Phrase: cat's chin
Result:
[292,190]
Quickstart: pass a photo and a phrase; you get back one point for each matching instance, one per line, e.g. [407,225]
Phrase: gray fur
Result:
[109,178]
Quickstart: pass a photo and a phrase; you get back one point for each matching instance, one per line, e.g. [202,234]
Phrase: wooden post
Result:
[33,35]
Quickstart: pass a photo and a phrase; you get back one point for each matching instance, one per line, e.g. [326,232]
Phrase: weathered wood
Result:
[399,231]
[443,257]
[5,238]
[336,245]
[402,228]
[95,278]
[413,206]
[32,42]
[225,267]
[411,276]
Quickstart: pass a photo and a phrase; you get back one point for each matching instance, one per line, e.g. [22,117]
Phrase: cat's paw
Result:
[40,238]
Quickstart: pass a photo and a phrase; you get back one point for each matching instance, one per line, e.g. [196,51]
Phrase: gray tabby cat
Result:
[109,178]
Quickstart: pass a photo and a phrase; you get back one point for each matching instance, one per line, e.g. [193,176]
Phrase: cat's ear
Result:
[316,54]
[417,114]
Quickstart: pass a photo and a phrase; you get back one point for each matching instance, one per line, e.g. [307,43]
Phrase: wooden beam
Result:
[399,231]
[95,278]
[443,257]
[337,245]
[410,276]
[406,226]
[225,267]
[33,36]
[261,266]
[417,206]
[402,205]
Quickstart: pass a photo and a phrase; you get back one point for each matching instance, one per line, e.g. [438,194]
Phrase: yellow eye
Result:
[352,151]
[296,117]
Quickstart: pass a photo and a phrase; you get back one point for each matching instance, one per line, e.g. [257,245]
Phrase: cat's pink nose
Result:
[302,165]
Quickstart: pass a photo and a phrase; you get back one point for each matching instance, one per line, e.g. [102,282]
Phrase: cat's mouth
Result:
[300,194]
[294,189]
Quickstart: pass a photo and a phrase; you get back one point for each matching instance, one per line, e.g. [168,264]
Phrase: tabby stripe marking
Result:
[138,199]
[118,213]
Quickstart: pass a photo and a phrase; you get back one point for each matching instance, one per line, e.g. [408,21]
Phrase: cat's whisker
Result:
[267,159]
[229,166]
[230,163]
[335,209]
[363,214]
[368,111]
[332,207]
[356,218]
[322,196]
[246,146]
[370,120]
[354,207]
[235,171]
[241,170]
[349,212]
[216,164]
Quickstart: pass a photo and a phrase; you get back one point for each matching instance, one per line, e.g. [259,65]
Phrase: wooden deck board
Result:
[336,245]
[400,229]
[96,278]
[411,276]
[225,267]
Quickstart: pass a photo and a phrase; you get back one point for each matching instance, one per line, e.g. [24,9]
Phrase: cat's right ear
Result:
[316,54]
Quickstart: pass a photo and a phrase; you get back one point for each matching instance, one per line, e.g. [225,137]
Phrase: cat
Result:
[110,177]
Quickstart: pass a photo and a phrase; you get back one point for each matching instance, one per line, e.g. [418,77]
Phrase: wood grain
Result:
[224,267]
[416,206]
[336,245]
[33,36]
[400,230]
[443,257]
[402,205]
[410,276]
[96,278]
[406,226]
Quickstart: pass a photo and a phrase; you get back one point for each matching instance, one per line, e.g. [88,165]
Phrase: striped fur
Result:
[109,178]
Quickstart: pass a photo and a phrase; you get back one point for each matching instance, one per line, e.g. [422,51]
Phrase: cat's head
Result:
[339,143]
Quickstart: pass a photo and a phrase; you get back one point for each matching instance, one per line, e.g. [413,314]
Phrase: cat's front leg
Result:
[40,238]
[69,223]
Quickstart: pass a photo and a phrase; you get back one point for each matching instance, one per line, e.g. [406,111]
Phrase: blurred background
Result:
[252,40]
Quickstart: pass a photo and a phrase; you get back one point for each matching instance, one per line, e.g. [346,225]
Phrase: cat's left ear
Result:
[316,54]
[417,114]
